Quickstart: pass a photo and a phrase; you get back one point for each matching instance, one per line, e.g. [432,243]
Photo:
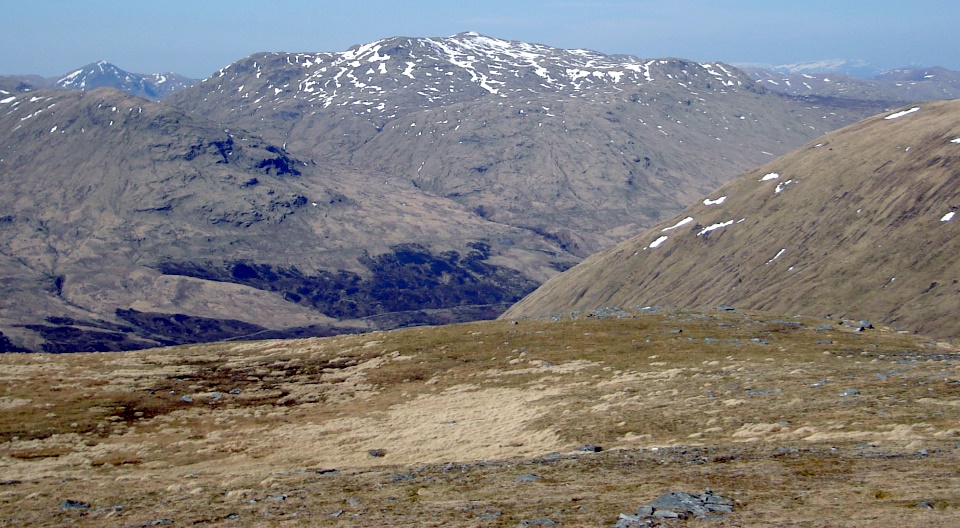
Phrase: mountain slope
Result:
[127,223]
[581,147]
[859,224]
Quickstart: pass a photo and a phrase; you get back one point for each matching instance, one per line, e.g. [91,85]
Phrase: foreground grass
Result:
[803,422]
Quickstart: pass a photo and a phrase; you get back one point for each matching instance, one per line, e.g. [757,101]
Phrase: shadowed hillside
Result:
[126,224]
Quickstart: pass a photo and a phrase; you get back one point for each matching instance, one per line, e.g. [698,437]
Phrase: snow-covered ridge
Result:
[466,65]
[102,73]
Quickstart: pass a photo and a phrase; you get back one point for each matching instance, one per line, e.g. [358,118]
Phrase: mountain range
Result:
[859,224]
[904,85]
[102,74]
[404,181]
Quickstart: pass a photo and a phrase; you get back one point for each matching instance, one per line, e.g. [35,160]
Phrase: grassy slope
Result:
[859,225]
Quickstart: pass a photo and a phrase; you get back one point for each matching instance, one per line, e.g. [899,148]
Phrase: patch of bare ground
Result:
[802,422]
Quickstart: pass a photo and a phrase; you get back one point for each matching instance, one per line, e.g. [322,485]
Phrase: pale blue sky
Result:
[197,37]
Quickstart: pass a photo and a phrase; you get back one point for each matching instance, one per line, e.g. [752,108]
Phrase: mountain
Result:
[128,223]
[103,74]
[860,223]
[20,83]
[849,67]
[311,194]
[583,148]
[904,85]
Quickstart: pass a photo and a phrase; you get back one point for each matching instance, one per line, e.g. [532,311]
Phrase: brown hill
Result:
[583,148]
[569,422]
[858,224]
[127,223]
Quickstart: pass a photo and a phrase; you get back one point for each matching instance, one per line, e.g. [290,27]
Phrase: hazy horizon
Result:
[51,38]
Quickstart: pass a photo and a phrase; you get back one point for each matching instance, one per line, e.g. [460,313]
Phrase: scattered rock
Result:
[529,477]
[590,448]
[186,399]
[377,453]
[850,392]
[71,504]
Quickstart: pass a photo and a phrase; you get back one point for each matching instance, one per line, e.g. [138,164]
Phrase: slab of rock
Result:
[676,505]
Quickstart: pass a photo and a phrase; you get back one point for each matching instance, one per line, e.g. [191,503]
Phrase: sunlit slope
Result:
[859,223]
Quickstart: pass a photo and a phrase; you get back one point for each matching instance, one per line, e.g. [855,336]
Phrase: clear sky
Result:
[197,37]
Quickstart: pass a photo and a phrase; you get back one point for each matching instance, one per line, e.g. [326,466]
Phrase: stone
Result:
[529,477]
[71,504]
[590,448]
[377,453]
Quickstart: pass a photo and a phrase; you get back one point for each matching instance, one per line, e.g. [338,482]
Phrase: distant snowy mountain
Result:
[903,85]
[103,74]
[853,68]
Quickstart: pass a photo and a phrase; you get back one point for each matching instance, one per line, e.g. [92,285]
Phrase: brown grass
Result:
[678,400]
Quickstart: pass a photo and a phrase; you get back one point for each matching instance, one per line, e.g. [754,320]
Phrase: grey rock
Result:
[186,399]
[590,448]
[71,504]
[850,392]
[925,505]
[697,505]
[377,453]
[529,477]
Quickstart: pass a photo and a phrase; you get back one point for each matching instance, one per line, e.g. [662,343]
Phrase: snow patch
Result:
[902,113]
[951,141]
[775,257]
[657,242]
[8,100]
[947,217]
[781,186]
[715,226]
[685,221]
[768,177]
[718,201]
